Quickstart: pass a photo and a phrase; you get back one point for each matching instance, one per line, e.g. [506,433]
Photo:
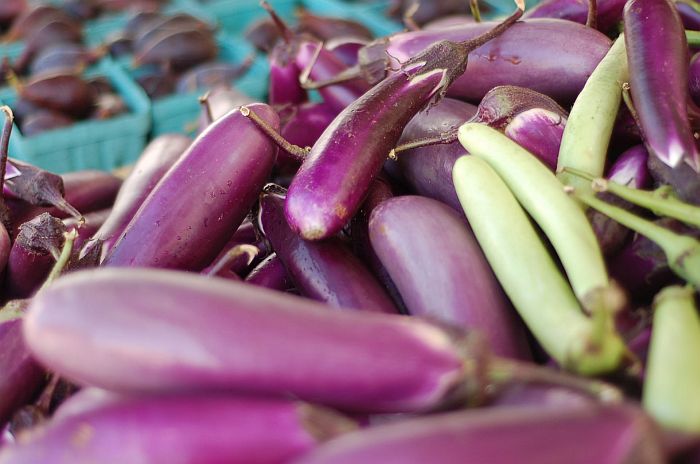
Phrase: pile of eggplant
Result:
[481,245]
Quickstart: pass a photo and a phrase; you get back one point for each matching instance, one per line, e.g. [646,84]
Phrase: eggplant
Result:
[609,12]
[178,50]
[540,132]
[270,273]
[66,93]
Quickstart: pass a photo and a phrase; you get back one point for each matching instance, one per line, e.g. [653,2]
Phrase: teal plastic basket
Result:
[179,112]
[104,144]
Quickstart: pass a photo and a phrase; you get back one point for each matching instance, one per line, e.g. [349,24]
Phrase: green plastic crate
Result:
[104,145]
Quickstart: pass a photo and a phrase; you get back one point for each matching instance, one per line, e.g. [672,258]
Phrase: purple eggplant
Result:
[322,64]
[243,251]
[33,19]
[107,428]
[609,11]
[270,273]
[379,192]
[284,86]
[551,56]
[262,34]
[160,24]
[37,187]
[694,78]
[189,215]
[451,283]
[178,50]
[65,57]
[683,178]
[66,93]
[303,128]
[428,170]
[577,435]
[21,376]
[336,174]
[34,252]
[503,103]
[236,340]
[86,190]
[44,120]
[48,35]
[157,82]
[539,131]
[657,52]
[326,271]
[154,162]
[327,27]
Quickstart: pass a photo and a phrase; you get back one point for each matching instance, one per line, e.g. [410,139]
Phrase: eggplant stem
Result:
[251,251]
[682,251]
[62,204]
[592,18]
[693,38]
[63,259]
[627,98]
[304,76]
[475,9]
[499,29]
[206,108]
[345,75]
[295,150]
[661,201]
[284,30]
[443,138]
[5,144]
[504,371]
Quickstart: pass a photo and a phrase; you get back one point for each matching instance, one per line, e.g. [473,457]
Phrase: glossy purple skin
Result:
[283,86]
[379,192]
[539,395]
[186,332]
[325,271]
[21,376]
[5,247]
[86,190]
[657,53]
[160,154]
[448,21]
[609,11]
[189,215]
[551,56]
[452,283]
[326,66]
[330,185]
[308,123]
[46,36]
[185,429]
[428,170]
[44,120]
[539,131]
[270,273]
[689,16]
[600,434]
[694,78]
[630,168]
[503,103]
[65,57]
[32,19]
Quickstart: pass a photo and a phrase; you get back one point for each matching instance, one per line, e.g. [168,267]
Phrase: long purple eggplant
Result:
[657,52]
[600,434]
[185,429]
[449,281]
[284,86]
[335,176]
[190,333]
[21,376]
[428,170]
[326,271]
[153,163]
[503,103]
[609,11]
[33,254]
[552,56]
[190,214]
